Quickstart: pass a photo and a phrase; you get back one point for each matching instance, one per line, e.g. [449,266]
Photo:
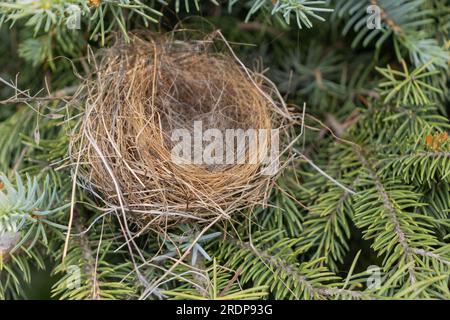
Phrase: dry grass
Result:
[143,91]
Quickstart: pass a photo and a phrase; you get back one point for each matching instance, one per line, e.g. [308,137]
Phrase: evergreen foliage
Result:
[369,187]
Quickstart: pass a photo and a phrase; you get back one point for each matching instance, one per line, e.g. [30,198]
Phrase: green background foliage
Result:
[376,122]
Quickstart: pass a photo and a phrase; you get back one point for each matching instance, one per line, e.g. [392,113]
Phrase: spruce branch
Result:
[301,10]
[274,264]
[93,269]
[408,22]
[412,234]
[26,211]
[408,88]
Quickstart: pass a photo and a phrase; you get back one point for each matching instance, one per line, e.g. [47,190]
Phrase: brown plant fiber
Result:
[144,90]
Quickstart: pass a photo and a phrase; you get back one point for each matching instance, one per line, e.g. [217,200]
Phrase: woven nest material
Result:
[145,90]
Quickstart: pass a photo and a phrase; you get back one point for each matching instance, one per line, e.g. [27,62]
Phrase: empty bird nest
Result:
[156,138]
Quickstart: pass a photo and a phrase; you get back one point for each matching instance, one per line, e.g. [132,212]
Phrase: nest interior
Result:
[142,92]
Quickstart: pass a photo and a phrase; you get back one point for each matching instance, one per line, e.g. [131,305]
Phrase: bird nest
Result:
[157,96]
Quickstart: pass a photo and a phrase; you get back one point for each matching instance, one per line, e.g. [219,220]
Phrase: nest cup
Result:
[148,89]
